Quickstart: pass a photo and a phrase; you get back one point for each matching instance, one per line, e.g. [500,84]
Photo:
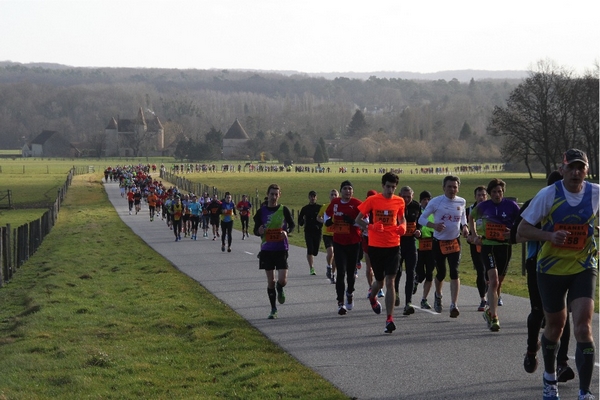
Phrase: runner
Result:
[425,257]
[385,229]
[450,221]
[489,225]
[273,222]
[327,233]
[567,265]
[408,249]
[244,207]
[195,211]
[227,213]
[312,229]
[341,214]
[480,194]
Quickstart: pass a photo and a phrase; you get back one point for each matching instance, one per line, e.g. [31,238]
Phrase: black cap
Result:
[312,193]
[424,195]
[345,183]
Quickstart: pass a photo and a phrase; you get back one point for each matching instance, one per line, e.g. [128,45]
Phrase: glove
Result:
[348,220]
[329,222]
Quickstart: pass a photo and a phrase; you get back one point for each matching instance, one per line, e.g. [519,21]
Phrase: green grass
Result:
[90,317]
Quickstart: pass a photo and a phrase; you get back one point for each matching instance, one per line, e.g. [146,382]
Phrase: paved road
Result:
[429,356]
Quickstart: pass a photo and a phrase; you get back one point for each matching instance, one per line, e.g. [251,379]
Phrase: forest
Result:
[286,117]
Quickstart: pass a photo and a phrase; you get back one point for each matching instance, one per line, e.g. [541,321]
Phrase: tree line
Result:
[287,117]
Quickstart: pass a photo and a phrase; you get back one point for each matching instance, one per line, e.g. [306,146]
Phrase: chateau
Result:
[134,137]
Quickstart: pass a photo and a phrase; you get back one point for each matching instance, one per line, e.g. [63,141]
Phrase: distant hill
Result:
[460,75]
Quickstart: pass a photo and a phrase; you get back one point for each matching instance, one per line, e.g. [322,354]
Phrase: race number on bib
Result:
[341,227]
[273,235]
[425,244]
[576,239]
[449,246]
[495,231]
[411,227]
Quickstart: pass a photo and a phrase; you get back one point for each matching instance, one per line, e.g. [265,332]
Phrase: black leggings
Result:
[440,262]
[226,228]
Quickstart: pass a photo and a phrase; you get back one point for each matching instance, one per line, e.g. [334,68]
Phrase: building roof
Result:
[112,124]
[43,137]
[154,125]
[236,131]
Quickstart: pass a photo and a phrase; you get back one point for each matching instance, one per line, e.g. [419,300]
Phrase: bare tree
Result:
[537,119]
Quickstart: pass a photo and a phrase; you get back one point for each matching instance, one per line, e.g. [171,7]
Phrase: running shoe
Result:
[358,265]
[437,303]
[328,273]
[389,327]
[500,302]
[349,301]
[342,309]
[530,363]
[273,314]
[243,236]
[214,238]
[280,294]
[425,304]
[482,305]
[586,396]
[223,248]
[487,317]
[375,305]
[408,309]
[415,286]
[312,271]
[369,293]
[332,279]
[179,236]
[454,312]
[229,249]
[550,390]
[495,326]
[397,301]
[564,373]
[380,294]
[176,238]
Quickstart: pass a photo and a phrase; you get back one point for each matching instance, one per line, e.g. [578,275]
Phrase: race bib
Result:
[341,227]
[273,235]
[426,244]
[449,246]
[411,227]
[495,231]
[576,240]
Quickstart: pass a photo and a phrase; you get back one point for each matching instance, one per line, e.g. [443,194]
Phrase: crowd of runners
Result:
[389,232]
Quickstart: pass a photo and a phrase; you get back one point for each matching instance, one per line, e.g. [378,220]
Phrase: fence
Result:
[18,244]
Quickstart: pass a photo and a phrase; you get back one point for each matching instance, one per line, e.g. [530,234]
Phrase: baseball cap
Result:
[345,183]
[371,193]
[424,195]
[575,155]
[312,193]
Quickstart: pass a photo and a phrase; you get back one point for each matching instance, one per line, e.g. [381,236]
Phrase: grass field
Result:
[96,314]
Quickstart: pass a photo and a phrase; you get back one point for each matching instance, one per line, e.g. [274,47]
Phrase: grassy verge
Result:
[97,314]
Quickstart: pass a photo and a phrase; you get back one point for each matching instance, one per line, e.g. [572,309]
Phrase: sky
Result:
[306,36]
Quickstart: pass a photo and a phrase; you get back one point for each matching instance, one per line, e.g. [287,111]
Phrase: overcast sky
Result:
[307,35]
